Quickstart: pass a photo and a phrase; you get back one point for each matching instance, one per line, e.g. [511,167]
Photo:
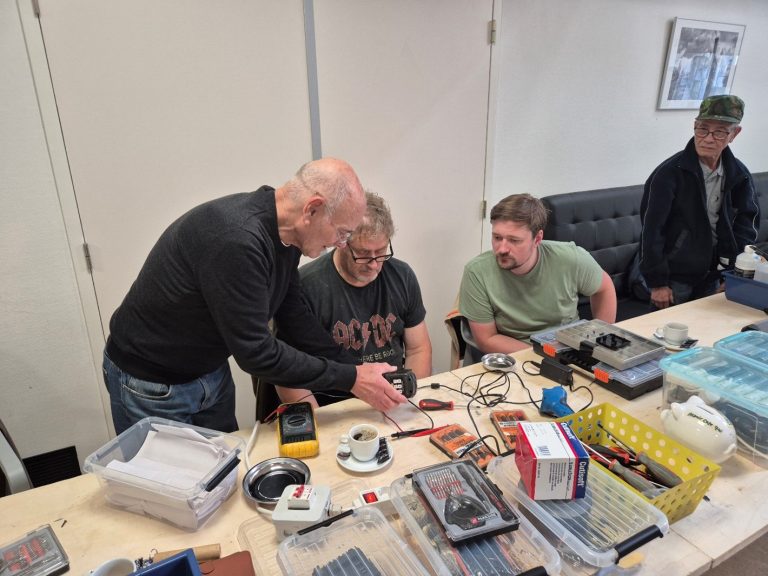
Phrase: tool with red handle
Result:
[430,404]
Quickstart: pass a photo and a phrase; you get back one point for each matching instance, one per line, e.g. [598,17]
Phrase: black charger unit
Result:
[403,380]
[556,371]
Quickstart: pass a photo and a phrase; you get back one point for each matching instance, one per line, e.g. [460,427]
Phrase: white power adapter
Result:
[300,506]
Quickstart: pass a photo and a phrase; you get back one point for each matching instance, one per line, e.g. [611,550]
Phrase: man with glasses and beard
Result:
[527,284]
[369,302]
[699,210]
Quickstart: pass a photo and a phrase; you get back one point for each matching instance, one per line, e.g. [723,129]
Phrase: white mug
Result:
[364,442]
[675,333]
[114,567]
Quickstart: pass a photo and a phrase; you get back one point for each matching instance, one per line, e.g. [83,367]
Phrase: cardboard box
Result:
[552,462]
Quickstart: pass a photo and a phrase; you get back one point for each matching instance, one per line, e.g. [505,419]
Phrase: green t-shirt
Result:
[544,298]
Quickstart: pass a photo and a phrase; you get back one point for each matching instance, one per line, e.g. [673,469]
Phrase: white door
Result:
[166,104]
[404,96]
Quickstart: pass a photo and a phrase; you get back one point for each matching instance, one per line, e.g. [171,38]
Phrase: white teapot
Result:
[700,427]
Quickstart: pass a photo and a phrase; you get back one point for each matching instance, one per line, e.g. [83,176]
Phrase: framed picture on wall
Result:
[701,61]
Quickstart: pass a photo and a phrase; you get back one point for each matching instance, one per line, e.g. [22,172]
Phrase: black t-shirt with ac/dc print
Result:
[369,322]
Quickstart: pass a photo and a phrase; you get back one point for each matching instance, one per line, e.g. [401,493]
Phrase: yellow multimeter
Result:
[297,431]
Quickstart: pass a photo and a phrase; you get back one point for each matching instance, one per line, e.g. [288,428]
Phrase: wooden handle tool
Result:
[206,552]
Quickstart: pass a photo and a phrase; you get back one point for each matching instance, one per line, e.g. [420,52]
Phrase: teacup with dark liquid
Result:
[364,442]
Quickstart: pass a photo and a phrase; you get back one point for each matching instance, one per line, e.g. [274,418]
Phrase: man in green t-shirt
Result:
[526,284]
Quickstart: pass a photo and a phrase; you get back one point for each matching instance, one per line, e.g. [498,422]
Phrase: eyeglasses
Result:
[701,132]
[369,259]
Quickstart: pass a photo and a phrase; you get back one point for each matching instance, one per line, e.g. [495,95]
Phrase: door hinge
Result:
[88,263]
[492,31]
[483,208]
[36,8]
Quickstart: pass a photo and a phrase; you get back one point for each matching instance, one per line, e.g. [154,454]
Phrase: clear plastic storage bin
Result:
[168,470]
[730,383]
[591,532]
[751,344]
[503,555]
[361,543]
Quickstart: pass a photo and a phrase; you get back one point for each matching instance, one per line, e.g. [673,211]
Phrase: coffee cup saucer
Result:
[659,335]
[354,465]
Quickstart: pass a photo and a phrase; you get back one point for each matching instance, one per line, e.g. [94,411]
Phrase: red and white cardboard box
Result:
[552,462]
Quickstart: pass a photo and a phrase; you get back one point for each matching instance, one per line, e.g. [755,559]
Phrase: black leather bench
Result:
[606,223]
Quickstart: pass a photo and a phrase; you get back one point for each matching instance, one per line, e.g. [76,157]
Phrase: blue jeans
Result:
[207,401]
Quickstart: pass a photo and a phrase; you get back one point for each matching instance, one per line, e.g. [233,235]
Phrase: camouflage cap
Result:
[723,107]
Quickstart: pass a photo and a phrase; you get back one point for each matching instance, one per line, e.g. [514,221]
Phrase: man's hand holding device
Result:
[371,387]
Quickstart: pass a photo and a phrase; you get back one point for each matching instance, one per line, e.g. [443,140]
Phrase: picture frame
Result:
[701,61]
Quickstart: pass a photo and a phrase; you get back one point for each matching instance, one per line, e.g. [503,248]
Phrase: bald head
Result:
[320,206]
[332,179]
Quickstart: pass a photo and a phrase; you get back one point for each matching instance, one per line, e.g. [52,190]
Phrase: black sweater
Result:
[208,290]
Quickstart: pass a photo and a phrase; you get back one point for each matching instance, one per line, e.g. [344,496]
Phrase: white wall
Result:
[578,86]
[49,385]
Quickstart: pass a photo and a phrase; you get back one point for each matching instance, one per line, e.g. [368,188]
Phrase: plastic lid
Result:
[360,543]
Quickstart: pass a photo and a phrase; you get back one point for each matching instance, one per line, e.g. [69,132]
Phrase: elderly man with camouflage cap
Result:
[699,210]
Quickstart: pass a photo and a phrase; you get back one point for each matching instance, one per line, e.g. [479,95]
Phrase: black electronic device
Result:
[297,431]
[403,380]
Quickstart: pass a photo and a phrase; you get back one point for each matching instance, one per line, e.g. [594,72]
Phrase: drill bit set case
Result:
[168,470]
[507,554]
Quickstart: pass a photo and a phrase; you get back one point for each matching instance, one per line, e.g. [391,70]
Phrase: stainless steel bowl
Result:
[264,483]
[498,362]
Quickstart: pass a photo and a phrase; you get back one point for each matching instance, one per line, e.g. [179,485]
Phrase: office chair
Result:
[13,474]
[266,398]
[464,350]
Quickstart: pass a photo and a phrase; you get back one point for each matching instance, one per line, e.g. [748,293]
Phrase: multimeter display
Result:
[297,432]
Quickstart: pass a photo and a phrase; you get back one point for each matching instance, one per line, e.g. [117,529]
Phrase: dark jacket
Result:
[676,239]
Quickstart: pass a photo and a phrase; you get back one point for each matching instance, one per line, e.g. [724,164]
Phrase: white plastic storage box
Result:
[751,344]
[728,382]
[505,554]
[358,542]
[168,470]
[591,532]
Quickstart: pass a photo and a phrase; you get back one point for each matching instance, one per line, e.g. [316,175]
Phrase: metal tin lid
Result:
[265,482]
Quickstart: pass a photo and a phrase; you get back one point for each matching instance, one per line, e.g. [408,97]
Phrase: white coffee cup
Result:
[364,442]
[114,567]
[675,333]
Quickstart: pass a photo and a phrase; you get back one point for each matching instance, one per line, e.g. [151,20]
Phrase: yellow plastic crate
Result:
[696,471]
